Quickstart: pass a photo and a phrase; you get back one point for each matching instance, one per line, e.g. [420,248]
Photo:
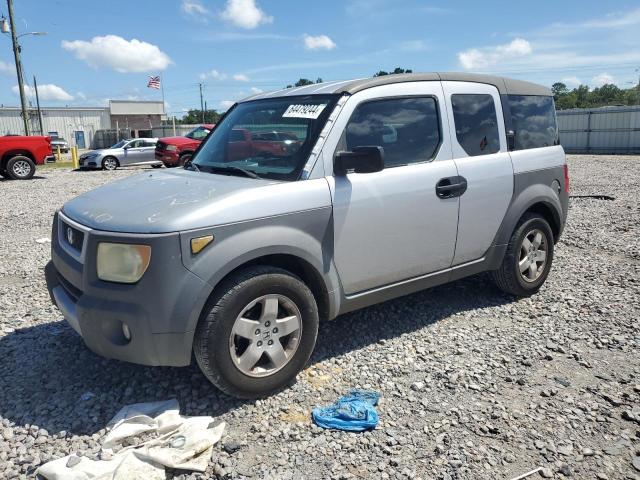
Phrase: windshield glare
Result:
[198,133]
[271,138]
[120,144]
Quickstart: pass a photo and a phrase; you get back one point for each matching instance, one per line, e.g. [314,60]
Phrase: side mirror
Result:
[360,160]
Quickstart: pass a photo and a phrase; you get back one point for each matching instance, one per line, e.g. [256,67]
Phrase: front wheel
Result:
[257,332]
[528,258]
[184,158]
[109,163]
[21,168]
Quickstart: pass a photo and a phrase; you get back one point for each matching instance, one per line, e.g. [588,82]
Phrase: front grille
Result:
[161,146]
[73,237]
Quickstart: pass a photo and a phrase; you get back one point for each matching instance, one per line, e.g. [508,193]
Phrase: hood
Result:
[178,140]
[91,152]
[170,201]
[58,141]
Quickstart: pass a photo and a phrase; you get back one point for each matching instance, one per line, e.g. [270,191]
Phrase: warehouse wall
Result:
[65,121]
[607,130]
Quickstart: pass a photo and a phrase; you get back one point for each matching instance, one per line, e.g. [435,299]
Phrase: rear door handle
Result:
[450,187]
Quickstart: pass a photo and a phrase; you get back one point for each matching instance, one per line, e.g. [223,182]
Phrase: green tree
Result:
[559,89]
[397,70]
[195,116]
[302,82]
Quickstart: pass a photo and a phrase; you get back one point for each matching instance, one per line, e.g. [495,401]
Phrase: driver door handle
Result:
[450,187]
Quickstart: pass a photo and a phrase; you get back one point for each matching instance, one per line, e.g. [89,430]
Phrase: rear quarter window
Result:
[534,121]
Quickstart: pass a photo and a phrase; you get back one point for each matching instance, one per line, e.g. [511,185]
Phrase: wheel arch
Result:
[540,199]
[13,153]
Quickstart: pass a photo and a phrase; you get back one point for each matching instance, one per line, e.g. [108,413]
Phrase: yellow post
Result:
[58,157]
[74,157]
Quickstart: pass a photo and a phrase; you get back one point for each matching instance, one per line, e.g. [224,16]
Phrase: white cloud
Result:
[413,46]
[81,95]
[320,42]
[226,104]
[214,75]
[572,81]
[240,77]
[7,68]
[194,8]
[48,91]
[124,56]
[256,90]
[615,20]
[245,14]
[602,79]
[479,58]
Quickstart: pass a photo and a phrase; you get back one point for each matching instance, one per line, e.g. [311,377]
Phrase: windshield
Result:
[120,144]
[268,138]
[198,133]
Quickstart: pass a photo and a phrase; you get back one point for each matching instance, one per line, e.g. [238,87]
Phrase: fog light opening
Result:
[126,332]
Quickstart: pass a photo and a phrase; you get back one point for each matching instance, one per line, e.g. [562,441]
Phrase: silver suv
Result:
[391,185]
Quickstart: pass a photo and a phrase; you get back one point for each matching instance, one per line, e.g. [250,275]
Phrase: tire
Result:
[219,350]
[155,165]
[110,163]
[522,252]
[184,158]
[4,173]
[21,167]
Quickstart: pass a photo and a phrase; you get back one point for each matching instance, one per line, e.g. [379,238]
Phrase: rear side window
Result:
[476,123]
[534,121]
[407,128]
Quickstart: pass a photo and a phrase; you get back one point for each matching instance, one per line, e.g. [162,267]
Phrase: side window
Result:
[149,143]
[135,144]
[236,135]
[534,121]
[476,123]
[407,128]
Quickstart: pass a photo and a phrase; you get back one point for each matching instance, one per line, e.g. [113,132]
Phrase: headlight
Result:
[122,263]
[172,148]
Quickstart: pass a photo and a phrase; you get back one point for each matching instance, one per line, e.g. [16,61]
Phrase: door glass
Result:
[407,128]
[476,123]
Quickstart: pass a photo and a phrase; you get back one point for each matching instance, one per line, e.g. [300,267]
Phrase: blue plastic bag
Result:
[353,412]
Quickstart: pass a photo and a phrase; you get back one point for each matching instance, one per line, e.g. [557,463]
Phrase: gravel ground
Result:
[474,384]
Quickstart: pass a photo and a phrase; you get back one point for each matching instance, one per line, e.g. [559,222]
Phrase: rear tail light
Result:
[566,178]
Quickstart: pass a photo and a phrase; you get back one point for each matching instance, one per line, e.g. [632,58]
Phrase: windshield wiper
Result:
[233,168]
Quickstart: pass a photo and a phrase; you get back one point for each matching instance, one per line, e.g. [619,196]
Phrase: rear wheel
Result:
[21,167]
[257,332]
[109,163]
[528,258]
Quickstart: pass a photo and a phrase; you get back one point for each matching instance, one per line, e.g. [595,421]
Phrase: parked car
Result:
[400,183]
[59,142]
[19,155]
[125,153]
[176,151]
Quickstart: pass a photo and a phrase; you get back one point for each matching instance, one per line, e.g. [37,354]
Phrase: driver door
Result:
[391,225]
[133,152]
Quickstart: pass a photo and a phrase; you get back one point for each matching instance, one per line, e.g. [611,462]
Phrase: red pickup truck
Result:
[19,155]
[175,151]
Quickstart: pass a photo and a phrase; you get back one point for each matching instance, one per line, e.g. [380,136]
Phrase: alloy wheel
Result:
[533,255]
[21,168]
[266,335]
[110,164]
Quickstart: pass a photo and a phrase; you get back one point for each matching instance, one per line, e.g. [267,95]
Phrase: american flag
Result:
[154,82]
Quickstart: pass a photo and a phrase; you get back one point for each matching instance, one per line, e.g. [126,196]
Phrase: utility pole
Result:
[201,101]
[35,87]
[16,55]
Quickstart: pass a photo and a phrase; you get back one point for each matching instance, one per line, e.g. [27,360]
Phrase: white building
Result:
[78,125]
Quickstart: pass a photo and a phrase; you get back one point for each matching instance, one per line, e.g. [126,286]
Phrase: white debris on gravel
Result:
[477,385]
[143,439]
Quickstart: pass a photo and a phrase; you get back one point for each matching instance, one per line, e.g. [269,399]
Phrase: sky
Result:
[100,50]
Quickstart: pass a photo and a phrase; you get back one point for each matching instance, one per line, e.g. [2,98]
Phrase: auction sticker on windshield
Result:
[304,111]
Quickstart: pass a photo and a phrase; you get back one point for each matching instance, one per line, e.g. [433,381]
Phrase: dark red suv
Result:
[175,151]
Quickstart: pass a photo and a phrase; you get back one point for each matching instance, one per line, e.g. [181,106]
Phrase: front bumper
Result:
[160,311]
[170,159]
[92,162]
